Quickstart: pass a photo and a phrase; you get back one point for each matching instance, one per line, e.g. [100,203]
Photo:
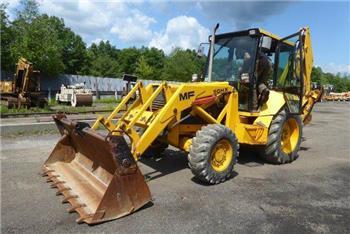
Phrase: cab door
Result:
[288,71]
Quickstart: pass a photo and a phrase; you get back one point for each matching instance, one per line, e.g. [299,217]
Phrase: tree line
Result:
[54,49]
[340,82]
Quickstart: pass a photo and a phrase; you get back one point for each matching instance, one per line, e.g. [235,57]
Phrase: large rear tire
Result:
[213,153]
[284,139]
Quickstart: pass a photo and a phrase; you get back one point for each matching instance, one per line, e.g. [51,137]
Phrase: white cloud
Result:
[125,22]
[181,31]
[335,68]
[134,28]
[96,19]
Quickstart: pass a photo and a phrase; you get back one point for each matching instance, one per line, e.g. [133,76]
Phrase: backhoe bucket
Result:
[97,175]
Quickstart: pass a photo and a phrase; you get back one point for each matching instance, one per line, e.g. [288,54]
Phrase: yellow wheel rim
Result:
[290,136]
[221,155]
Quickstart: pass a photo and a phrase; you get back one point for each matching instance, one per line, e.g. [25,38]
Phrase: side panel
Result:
[274,104]
[252,134]
[182,99]
[257,133]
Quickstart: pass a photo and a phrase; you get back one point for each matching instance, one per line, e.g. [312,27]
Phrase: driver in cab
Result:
[263,69]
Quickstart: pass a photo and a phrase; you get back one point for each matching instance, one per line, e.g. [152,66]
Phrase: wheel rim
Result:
[290,136]
[221,155]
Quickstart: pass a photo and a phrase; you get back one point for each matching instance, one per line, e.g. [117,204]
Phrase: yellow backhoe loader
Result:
[24,89]
[98,174]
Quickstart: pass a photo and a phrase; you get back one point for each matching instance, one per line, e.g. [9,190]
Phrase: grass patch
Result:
[53,102]
[107,100]
[5,110]
[101,104]
[70,109]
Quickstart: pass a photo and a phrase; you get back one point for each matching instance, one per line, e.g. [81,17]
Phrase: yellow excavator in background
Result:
[24,89]
[98,174]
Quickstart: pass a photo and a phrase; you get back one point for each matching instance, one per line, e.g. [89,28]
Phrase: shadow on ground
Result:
[250,158]
[172,161]
[197,181]
[168,162]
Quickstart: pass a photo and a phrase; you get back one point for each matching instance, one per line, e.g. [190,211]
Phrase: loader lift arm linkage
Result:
[98,174]
[310,96]
[169,117]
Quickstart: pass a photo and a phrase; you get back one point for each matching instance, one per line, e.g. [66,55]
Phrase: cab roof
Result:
[266,33]
[255,31]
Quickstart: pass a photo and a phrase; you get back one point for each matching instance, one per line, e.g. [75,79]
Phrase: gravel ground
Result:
[311,194]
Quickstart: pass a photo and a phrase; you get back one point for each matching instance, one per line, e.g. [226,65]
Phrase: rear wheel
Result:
[213,153]
[284,139]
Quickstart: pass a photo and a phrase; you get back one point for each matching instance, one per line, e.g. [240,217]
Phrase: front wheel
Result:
[284,139]
[213,153]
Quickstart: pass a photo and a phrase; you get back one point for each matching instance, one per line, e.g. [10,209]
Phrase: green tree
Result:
[29,10]
[101,60]
[7,61]
[74,52]
[127,60]
[316,74]
[103,66]
[143,70]
[155,58]
[42,39]
[39,43]
[181,64]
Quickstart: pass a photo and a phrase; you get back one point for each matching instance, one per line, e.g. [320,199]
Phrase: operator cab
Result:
[236,59]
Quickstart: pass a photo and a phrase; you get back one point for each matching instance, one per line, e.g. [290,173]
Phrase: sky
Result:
[185,24]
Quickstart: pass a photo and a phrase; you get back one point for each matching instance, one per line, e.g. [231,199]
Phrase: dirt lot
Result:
[310,195]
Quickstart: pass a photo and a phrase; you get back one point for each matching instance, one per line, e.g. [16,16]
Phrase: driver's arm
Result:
[244,69]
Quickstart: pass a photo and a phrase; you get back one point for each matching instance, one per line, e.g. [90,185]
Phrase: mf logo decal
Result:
[186,95]
[218,91]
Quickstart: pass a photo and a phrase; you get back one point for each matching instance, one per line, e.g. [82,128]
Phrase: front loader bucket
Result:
[97,175]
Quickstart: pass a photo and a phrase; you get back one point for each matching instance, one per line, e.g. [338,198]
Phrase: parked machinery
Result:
[98,175]
[129,81]
[75,95]
[333,96]
[24,89]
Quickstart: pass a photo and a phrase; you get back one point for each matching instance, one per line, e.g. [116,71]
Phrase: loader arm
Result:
[21,78]
[310,97]
[158,122]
